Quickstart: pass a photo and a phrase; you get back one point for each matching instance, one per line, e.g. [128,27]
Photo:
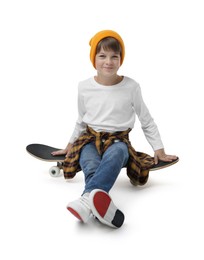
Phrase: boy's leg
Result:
[107,171]
[89,162]
[100,202]
[100,173]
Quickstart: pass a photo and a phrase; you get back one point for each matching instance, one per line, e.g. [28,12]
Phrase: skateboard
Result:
[162,165]
[43,152]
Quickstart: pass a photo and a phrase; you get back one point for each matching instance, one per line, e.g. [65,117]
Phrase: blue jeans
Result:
[101,172]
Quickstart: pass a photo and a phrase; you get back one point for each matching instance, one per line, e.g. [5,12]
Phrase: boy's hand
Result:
[160,155]
[65,151]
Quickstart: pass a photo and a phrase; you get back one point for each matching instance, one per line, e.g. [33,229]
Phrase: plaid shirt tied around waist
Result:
[137,166]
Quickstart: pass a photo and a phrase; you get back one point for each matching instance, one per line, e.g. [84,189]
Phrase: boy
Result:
[99,145]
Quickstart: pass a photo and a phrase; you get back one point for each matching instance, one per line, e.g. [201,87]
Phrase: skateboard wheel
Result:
[54,171]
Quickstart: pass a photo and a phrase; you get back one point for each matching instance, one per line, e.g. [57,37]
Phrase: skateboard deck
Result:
[162,165]
[43,152]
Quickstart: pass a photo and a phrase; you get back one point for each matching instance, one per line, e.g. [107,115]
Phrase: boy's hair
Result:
[109,43]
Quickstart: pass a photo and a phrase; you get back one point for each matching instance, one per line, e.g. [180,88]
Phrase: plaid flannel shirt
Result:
[138,164]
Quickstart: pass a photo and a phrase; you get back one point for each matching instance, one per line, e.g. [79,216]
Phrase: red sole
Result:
[74,213]
[101,202]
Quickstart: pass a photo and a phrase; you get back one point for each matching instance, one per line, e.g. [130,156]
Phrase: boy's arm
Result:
[150,129]
[148,125]
[80,127]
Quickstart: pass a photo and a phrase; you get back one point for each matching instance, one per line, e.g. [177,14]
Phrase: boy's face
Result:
[107,62]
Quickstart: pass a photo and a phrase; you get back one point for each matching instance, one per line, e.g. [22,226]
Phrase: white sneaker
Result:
[104,209]
[80,208]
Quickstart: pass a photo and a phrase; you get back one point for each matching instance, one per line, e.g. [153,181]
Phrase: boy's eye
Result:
[102,56]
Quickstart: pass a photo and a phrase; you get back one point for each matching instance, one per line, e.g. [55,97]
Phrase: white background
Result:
[44,53]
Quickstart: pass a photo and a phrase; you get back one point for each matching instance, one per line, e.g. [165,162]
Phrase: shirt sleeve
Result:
[148,125]
[80,126]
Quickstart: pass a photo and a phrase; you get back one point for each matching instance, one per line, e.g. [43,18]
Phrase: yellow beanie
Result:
[101,35]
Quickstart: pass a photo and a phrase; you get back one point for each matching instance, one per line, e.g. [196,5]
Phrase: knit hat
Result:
[101,35]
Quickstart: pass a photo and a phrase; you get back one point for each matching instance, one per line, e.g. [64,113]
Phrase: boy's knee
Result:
[120,150]
[90,166]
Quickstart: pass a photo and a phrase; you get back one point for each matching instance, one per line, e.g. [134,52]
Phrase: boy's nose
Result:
[108,60]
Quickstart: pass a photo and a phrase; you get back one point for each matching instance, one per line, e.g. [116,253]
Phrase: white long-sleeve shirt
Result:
[114,108]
